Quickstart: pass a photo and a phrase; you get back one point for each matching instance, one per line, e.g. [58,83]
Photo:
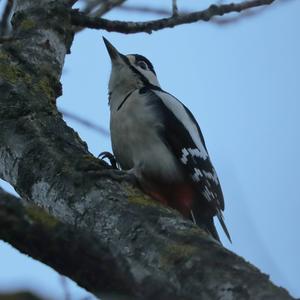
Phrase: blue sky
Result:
[242,82]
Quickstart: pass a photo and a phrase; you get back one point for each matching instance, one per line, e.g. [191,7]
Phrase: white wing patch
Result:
[198,153]
[208,194]
[179,111]
[213,176]
[197,174]
[184,156]
[193,152]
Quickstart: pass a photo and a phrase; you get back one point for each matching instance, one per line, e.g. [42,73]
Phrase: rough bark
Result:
[159,254]
[61,246]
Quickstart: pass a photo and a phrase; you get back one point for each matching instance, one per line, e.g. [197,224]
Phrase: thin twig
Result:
[91,5]
[85,123]
[234,19]
[98,8]
[146,9]
[107,6]
[71,2]
[174,8]
[92,10]
[5,17]
[64,284]
[218,20]
[83,20]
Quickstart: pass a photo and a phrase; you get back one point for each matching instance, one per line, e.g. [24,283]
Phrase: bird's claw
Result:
[116,175]
[110,157]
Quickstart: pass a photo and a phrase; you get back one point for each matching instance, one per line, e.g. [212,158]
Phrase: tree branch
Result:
[247,14]
[164,256]
[147,10]
[86,123]
[99,8]
[72,252]
[80,19]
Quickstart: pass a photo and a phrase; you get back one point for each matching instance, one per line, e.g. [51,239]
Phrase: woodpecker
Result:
[156,138]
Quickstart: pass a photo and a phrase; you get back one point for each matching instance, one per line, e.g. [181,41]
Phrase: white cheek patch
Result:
[149,75]
[131,59]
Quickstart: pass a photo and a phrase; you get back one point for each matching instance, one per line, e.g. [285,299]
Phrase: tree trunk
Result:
[130,242]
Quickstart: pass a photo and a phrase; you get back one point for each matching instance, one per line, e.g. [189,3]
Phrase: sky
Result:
[242,83]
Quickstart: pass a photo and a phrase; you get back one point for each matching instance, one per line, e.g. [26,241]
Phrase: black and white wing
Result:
[182,134]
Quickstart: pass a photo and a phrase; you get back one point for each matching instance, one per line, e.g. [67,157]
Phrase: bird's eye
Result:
[142,64]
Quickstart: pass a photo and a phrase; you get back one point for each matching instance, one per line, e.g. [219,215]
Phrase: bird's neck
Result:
[120,92]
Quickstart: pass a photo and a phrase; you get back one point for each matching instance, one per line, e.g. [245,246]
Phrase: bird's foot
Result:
[115,174]
[110,157]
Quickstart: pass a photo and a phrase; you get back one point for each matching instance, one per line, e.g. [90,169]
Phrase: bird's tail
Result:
[208,225]
[211,228]
[221,220]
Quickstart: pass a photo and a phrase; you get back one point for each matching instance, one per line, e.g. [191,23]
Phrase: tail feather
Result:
[207,225]
[221,220]
[212,230]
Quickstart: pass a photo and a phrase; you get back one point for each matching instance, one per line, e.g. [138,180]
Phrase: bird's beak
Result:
[114,54]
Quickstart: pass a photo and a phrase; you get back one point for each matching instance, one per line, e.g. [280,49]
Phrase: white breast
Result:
[136,143]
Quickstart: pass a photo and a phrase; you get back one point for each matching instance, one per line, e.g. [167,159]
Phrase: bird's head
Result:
[129,72]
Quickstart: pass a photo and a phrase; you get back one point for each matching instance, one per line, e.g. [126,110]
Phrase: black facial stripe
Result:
[134,70]
[139,57]
[137,72]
